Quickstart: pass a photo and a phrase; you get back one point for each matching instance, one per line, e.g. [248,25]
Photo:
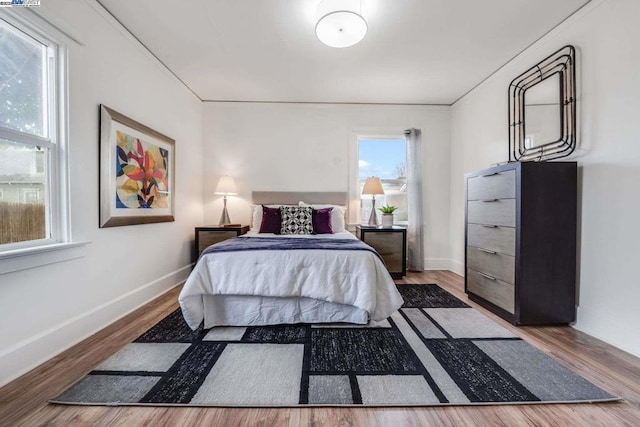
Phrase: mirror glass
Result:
[542,112]
[542,109]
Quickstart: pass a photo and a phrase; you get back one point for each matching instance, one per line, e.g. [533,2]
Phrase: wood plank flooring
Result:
[24,401]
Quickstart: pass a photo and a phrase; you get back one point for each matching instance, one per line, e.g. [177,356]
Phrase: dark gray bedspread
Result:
[240,244]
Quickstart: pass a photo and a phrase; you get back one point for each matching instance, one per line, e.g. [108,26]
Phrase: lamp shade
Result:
[226,186]
[372,186]
[340,22]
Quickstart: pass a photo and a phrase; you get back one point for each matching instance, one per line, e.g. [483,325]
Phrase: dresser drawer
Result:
[208,238]
[496,212]
[492,263]
[499,239]
[500,185]
[495,291]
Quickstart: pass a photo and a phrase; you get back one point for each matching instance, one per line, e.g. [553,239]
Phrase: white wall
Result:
[606,35]
[44,310]
[306,147]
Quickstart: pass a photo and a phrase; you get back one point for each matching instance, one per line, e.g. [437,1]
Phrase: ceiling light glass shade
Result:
[340,25]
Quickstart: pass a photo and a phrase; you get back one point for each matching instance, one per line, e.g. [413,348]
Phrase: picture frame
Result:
[137,172]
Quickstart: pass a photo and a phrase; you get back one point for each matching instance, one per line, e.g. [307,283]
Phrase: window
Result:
[385,158]
[31,161]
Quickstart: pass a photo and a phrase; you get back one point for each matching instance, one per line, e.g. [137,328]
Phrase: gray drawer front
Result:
[389,246]
[501,185]
[499,239]
[496,291]
[208,238]
[499,212]
[494,264]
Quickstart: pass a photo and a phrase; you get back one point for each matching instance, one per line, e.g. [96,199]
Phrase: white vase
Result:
[387,220]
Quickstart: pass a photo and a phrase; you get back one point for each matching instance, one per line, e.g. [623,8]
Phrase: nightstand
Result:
[390,243]
[208,235]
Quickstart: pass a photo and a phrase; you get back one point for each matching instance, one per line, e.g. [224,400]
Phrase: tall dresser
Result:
[521,241]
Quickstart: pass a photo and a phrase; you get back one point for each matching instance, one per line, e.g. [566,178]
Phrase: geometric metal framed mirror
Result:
[542,109]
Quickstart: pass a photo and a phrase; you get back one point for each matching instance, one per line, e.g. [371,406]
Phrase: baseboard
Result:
[457,267]
[26,355]
[613,331]
[436,263]
[444,264]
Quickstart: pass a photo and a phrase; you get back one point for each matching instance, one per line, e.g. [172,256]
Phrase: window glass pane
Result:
[23,185]
[386,159]
[22,81]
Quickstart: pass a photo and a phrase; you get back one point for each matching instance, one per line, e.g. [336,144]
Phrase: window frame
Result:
[57,182]
[354,170]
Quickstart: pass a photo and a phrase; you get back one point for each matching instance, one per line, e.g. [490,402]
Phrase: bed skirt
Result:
[249,310]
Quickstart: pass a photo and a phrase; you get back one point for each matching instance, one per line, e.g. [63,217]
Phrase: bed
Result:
[265,279]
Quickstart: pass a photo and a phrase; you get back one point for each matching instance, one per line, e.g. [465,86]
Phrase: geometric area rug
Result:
[436,350]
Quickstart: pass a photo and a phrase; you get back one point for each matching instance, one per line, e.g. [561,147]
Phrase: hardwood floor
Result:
[24,401]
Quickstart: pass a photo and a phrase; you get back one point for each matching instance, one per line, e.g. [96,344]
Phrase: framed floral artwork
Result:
[137,178]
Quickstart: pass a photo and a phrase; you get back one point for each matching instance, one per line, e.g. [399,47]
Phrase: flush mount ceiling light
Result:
[340,22]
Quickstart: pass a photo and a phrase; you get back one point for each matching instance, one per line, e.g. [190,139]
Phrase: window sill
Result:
[22,259]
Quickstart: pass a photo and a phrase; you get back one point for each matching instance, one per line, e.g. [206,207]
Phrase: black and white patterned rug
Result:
[436,350]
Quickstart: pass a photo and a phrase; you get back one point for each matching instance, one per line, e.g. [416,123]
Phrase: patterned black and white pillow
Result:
[296,220]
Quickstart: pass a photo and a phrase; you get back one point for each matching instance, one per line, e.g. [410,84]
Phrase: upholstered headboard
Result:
[293,197]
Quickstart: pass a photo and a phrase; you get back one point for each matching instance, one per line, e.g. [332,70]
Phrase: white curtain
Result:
[415,232]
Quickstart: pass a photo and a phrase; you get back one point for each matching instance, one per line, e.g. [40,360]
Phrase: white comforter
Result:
[352,278]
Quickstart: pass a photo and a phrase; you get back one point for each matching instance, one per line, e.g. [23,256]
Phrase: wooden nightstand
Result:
[390,243]
[208,235]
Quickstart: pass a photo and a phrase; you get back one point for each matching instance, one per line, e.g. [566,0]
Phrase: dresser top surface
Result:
[518,166]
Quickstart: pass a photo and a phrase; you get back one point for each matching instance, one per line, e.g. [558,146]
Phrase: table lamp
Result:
[373,186]
[226,187]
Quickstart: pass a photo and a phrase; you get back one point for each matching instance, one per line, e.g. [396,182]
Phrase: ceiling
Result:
[415,51]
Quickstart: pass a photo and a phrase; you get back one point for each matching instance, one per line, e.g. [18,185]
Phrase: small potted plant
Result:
[387,215]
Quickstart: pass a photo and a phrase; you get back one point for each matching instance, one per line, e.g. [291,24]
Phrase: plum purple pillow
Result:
[321,219]
[271,219]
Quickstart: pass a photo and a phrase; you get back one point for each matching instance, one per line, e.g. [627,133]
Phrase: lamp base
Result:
[373,218]
[224,217]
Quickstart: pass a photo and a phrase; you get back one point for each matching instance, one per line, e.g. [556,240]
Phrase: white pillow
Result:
[337,215]
[256,216]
